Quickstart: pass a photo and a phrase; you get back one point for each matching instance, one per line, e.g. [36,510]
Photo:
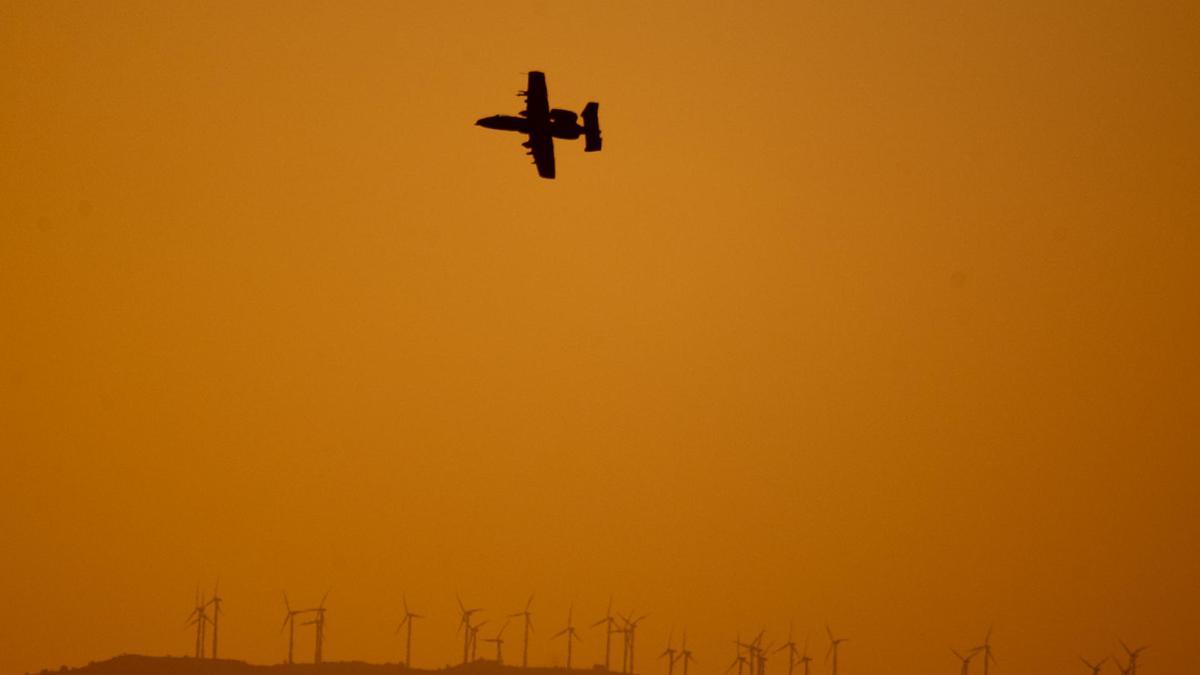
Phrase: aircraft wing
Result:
[537,101]
[541,146]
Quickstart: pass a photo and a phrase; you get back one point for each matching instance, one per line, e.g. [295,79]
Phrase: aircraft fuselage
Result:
[560,124]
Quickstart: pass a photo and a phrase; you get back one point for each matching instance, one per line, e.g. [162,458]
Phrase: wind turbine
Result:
[966,660]
[790,645]
[833,648]
[738,659]
[528,629]
[986,648]
[408,620]
[289,622]
[805,659]
[1133,656]
[685,654]
[569,631]
[670,653]
[199,618]
[762,657]
[216,605]
[1126,670]
[499,641]
[475,637]
[1095,667]
[318,624]
[464,624]
[624,630]
[630,632]
[608,622]
[754,653]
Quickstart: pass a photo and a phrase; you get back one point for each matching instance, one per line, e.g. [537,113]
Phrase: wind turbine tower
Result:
[685,654]
[754,654]
[318,624]
[670,654]
[790,646]
[199,618]
[409,617]
[833,649]
[475,637]
[499,642]
[986,648]
[289,622]
[464,624]
[608,622]
[738,659]
[805,659]
[216,617]
[762,657]
[569,631]
[630,640]
[528,616]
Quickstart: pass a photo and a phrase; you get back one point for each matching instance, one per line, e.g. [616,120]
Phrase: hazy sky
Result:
[884,315]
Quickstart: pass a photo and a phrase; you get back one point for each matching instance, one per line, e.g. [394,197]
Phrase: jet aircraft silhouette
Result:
[543,124]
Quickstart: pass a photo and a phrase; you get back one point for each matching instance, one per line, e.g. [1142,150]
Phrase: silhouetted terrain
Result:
[132,664]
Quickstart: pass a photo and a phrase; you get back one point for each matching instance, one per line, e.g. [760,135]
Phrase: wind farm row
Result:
[750,656]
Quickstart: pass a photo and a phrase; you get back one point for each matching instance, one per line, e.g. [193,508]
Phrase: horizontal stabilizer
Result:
[591,127]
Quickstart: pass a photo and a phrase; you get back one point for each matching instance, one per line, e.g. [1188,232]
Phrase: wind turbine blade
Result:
[830,631]
[529,602]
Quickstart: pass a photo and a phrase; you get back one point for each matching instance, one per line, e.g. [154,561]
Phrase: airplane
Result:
[543,124]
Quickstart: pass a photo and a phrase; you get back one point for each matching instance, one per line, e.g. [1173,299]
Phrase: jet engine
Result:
[560,116]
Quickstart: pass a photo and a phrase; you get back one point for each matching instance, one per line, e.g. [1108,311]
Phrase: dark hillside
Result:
[132,664]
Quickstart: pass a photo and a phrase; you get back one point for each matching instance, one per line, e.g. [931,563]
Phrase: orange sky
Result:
[876,315]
